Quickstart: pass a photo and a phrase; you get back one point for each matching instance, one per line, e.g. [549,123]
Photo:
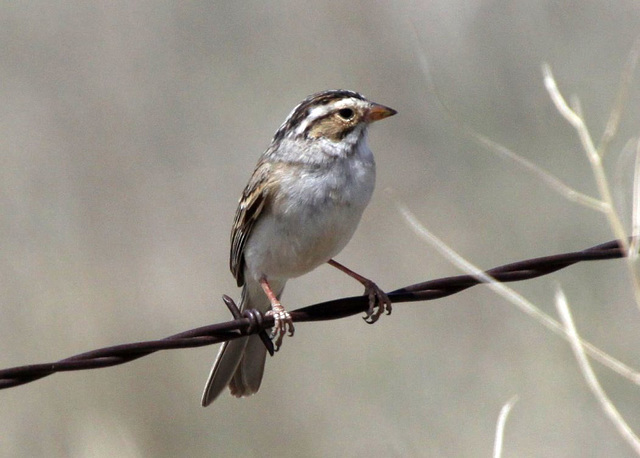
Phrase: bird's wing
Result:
[253,201]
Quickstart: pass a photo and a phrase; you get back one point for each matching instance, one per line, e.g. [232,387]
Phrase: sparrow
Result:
[300,208]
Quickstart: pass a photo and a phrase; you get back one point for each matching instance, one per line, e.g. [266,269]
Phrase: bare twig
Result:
[592,154]
[592,381]
[595,159]
[502,421]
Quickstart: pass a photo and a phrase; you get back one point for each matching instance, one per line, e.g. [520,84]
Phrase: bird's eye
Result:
[346,113]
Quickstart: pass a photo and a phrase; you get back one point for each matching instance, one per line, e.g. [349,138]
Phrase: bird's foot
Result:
[379,302]
[283,324]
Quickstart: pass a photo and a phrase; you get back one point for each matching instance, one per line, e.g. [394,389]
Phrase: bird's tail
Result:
[240,362]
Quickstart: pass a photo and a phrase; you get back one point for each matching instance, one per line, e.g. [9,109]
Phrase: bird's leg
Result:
[282,319]
[378,300]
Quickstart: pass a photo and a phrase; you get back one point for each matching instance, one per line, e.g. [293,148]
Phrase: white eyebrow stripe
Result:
[314,114]
[343,103]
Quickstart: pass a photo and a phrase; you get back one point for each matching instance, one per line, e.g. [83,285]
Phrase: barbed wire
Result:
[252,321]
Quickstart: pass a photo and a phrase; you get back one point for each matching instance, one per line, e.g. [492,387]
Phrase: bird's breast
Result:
[310,220]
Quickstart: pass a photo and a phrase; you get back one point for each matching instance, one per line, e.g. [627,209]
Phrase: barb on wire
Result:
[252,321]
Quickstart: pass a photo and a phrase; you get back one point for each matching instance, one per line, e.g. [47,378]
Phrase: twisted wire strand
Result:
[252,321]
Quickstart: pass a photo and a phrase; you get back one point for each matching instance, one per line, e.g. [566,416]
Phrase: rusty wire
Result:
[252,321]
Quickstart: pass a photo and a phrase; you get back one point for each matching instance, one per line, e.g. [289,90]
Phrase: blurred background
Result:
[127,133]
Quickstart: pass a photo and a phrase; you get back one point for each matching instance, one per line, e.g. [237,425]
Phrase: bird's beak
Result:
[378,112]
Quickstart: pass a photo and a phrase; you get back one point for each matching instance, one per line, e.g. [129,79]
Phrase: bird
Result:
[299,209]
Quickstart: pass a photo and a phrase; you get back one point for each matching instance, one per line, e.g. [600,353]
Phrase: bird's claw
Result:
[282,325]
[379,302]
